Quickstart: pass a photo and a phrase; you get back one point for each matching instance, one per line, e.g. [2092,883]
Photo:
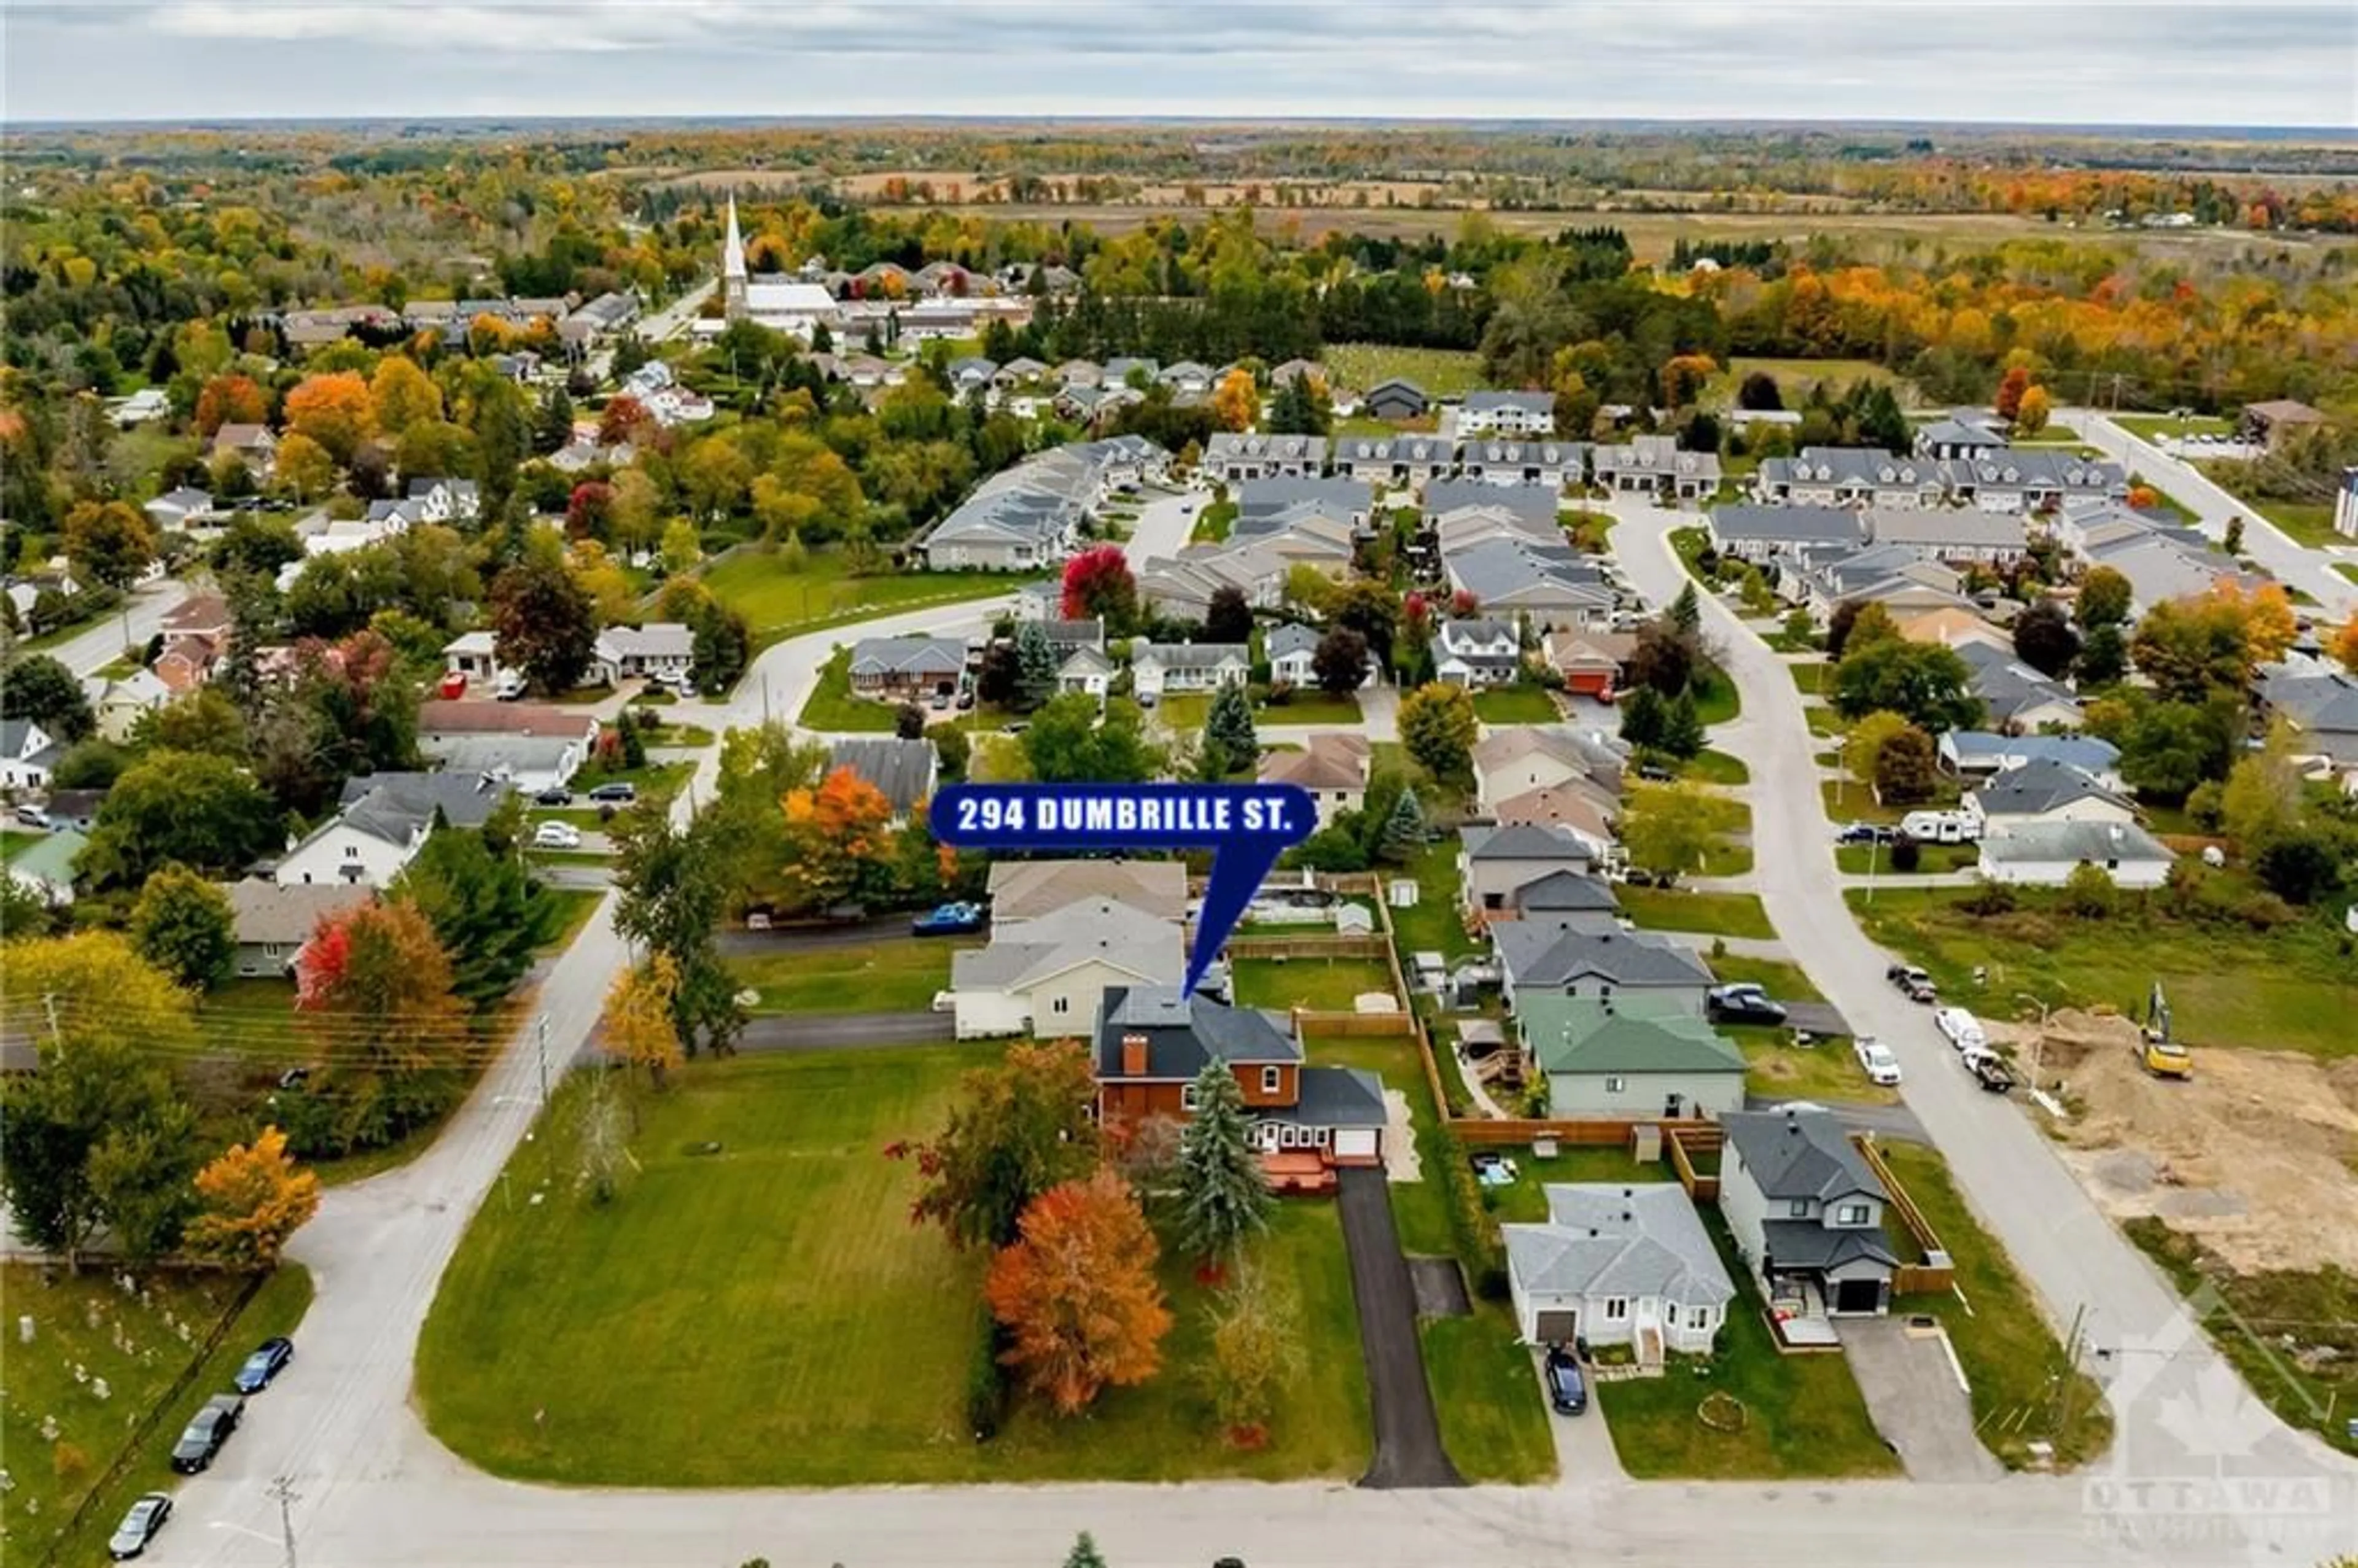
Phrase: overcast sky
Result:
[2078,61]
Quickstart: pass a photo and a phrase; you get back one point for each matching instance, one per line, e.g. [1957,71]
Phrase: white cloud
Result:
[2069,61]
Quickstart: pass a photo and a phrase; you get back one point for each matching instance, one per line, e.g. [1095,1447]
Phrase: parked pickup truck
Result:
[1990,1071]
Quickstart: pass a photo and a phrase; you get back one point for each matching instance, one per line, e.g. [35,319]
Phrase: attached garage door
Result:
[1557,1327]
[1354,1142]
[1857,1295]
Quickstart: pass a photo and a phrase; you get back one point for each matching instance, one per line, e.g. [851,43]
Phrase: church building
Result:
[795,307]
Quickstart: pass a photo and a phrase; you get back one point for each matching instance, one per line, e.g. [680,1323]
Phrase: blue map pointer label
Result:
[1246,826]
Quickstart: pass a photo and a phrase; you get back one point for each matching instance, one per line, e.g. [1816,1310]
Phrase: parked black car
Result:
[269,1360]
[1867,833]
[1568,1389]
[623,794]
[559,796]
[1990,1071]
[203,1436]
[1742,1003]
[139,1526]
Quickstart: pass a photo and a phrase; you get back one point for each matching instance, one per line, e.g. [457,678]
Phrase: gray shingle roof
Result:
[1335,1096]
[1787,525]
[1543,958]
[1641,1240]
[1524,841]
[2042,843]
[1184,1032]
[1805,1244]
[903,770]
[907,655]
[1799,1154]
[385,804]
[1527,503]
[1566,890]
[1291,638]
[2038,786]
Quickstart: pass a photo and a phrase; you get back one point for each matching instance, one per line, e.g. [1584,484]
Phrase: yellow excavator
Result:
[2161,1055]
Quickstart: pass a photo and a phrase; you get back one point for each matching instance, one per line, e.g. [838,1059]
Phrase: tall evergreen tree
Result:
[1643,717]
[1036,664]
[1223,1193]
[1686,610]
[1403,830]
[1229,729]
[1682,728]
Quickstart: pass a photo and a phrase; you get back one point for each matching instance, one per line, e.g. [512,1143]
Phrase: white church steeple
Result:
[733,268]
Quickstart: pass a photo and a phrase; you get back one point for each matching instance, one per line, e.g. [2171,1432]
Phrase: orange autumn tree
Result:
[256,1197]
[335,410]
[1235,403]
[2031,414]
[2346,645]
[1077,1294]
[229,400]
[638,1017]
[2010,388]
[1684,377]
[838,839]
[2270,627]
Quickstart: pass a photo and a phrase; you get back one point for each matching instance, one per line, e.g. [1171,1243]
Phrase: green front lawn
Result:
[1516,705]
[1183,714]
[1213,522]
[766,1315]
[1310,707]
[1441,372]
[1321,985]
[2294,988]
[2245,1315]
[1803,1415]
[832,706]
[898,975]
[1525,1202]
[1717,698]
[51,1479]
[1715,768]
[565,912]
[1872,859]
[1774,1065]
[1809,674]
[2023,1390]
[1847,800]
[15,841]
[1824,722]
[1711,914]
[775,602]
[1592,532]
[1782,981]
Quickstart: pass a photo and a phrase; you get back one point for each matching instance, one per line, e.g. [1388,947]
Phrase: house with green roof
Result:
[1613,1059]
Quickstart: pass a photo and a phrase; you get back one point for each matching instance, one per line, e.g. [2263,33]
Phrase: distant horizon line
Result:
[2159,130]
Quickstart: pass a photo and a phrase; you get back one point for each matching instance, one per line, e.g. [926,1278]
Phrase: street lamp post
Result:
[2038,1041]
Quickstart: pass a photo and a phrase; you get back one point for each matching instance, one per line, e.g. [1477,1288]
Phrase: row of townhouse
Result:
[1281,523]
[2001,479]
[1033,515]
[1508,552]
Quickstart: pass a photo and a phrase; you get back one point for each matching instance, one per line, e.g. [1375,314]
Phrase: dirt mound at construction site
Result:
[2257,1155]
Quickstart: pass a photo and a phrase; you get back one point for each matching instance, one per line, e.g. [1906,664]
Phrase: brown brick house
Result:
[1151,1042]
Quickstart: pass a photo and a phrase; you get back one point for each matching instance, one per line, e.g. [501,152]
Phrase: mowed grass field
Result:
[2292,989]
[767,1315]
[1795,378]
[900,975]
[1321,985]
[1443,373]
[775,602]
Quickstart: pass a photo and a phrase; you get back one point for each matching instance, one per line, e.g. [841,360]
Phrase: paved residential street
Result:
[96,647]
[2310,571]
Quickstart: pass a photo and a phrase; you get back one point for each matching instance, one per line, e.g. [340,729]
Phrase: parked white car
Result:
[1964,1029]
[1875,1060]
[556,836]
[946,1002]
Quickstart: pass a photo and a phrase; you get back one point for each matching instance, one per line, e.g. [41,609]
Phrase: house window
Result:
[1798,1210]
[1060,1004]
[1616,1308]
[1271,1078]
[1851,1214]
[1615,1085]
[1187,1096]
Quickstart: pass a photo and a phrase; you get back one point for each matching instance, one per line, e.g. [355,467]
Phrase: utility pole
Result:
[540,1035]
[49,1005]
[283,1489]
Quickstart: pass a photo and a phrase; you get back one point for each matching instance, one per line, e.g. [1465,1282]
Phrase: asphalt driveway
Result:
[1408,1430]
[838,1031]
[1911,1391]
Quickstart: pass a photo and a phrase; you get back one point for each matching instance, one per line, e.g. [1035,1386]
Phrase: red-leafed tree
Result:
[1077,1293]
[590,510]
[2010,388]
[1098,586]
[623,419]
